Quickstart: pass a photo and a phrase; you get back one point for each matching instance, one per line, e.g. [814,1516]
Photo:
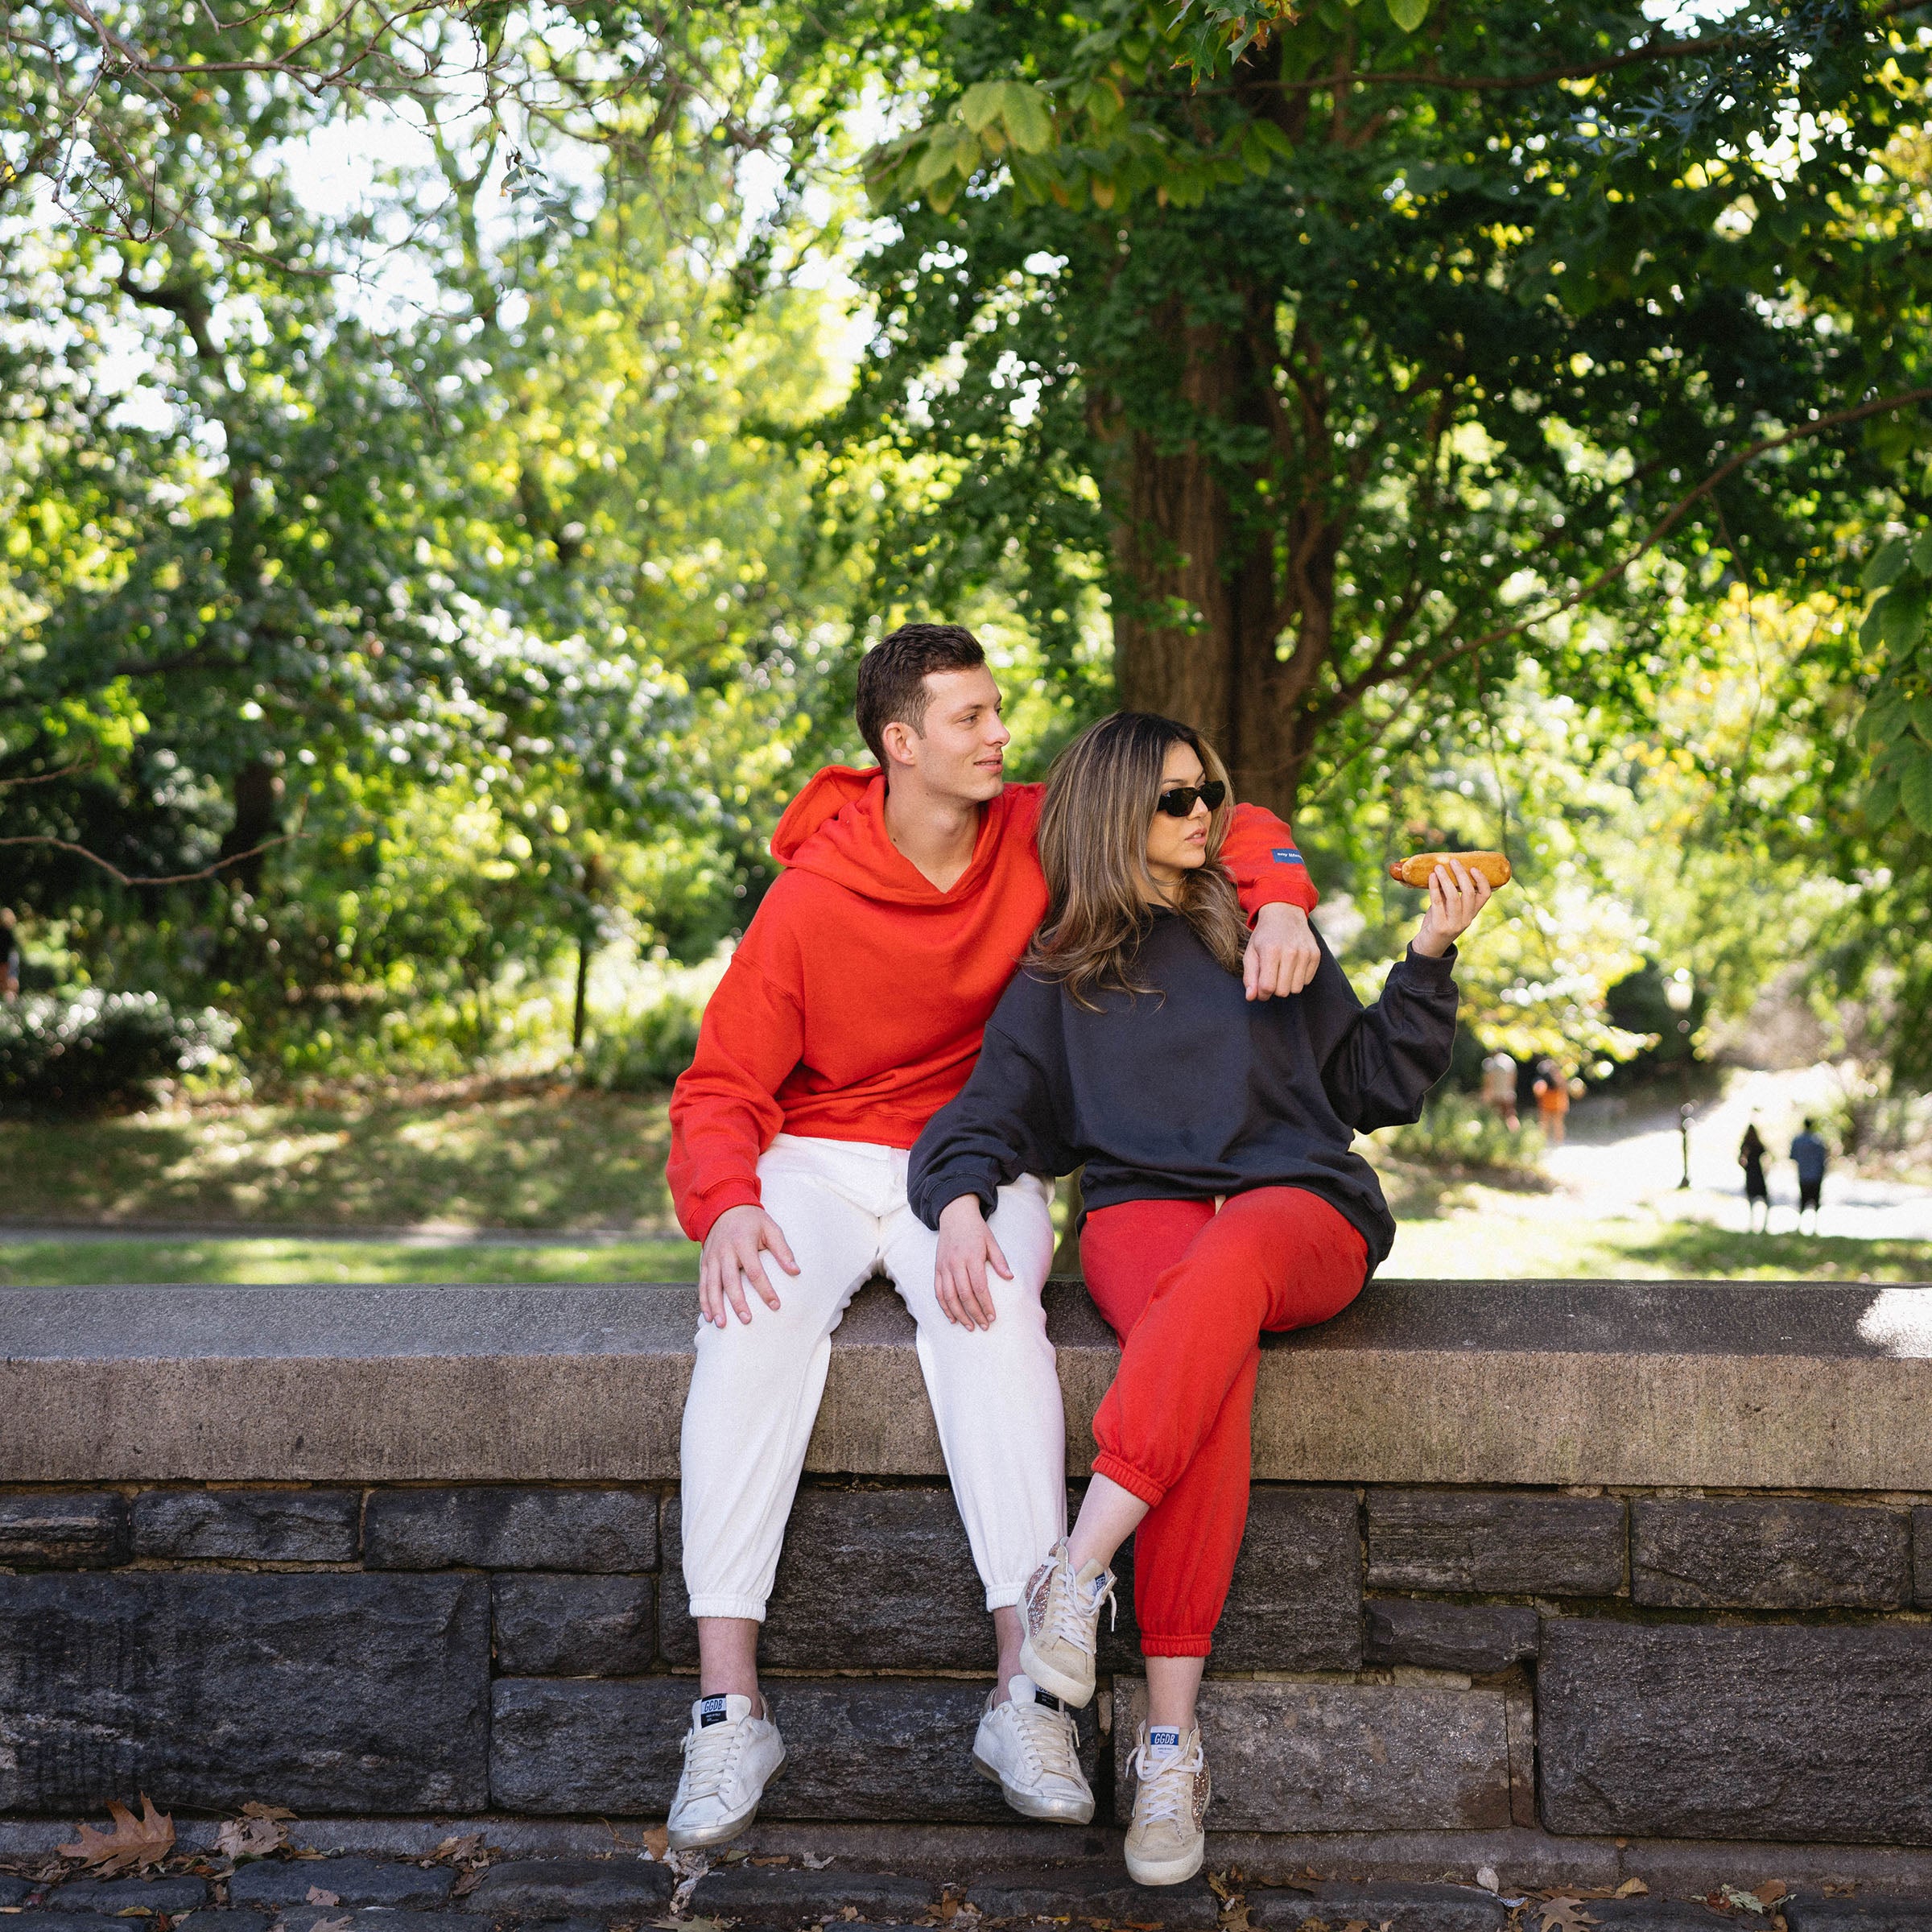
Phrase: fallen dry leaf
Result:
[1772,1890]
[318,1897]
[469,1845]
[1486,1877]
[1632,1888]
[1745,1901]
[812,1861]
[657,1842]
[132,1843]
[241,1838]
[468,1880]
[253,1808]
[330,1925]
[1564,1915]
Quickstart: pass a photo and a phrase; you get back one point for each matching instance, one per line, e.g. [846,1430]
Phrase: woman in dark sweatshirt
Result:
[1223,1198]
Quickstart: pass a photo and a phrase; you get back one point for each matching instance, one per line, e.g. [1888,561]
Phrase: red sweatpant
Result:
[1189,1291]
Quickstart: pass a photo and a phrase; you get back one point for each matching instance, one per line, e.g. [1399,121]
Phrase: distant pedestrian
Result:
[1552,1092]
[1757,1193]
[10,955]
[1808,1150]
[1498,1089]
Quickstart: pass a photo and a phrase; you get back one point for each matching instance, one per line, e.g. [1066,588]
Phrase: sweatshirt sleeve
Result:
[1378,1073]
[1263,860]
[1004,1122]
[723,1110]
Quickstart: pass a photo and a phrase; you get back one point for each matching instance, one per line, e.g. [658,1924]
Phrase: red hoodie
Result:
[854,1007]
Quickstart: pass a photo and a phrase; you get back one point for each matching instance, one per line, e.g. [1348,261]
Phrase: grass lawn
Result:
[56,1264]
[536,1157]
[547,1157]
[1513,1226]
[1469,1247]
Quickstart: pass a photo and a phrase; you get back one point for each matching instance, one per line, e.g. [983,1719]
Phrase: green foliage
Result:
[501,627]
[1458,1131]
[1349,386]
[641,1052]
[1897,725]
[85,1051]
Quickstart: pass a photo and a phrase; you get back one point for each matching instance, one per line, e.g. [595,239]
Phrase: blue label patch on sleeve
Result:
[1286,855]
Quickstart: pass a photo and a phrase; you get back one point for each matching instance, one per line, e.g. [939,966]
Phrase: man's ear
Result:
[899,738]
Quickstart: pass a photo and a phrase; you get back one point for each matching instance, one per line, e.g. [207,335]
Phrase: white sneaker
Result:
[729,1757]
[1168,1838]
[1031,1752]
[1062,1613]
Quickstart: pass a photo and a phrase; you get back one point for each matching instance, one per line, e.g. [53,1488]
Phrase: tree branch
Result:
[1415,673]
[124,878]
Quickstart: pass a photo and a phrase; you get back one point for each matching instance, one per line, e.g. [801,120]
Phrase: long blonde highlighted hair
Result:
[1101,796]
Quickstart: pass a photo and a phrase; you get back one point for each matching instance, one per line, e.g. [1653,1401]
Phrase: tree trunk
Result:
[1203,646]
[583,995]
[257,793]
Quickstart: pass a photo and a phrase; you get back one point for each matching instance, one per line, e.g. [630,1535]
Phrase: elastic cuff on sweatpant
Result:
[752,1607]
[1175,1646]
[1109,1465]
[1003,1596]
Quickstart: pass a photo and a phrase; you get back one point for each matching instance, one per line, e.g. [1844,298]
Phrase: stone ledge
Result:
[1744,1384]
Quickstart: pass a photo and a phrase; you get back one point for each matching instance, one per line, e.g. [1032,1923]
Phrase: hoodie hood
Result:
[835,828]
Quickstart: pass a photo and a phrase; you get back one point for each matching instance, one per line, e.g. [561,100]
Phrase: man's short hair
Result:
[892,676]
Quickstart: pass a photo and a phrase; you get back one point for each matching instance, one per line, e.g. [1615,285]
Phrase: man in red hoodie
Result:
[849,1015]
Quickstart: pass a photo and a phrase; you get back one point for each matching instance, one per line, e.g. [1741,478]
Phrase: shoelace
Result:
[1167,1785]
[1048,1740]
[1066,1616]
[710,1755]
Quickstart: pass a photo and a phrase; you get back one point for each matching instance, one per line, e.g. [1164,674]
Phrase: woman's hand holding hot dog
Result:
[1457,895]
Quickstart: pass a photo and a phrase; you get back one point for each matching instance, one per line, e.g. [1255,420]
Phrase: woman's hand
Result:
[1457,895]
[967,1250]
[1281,956]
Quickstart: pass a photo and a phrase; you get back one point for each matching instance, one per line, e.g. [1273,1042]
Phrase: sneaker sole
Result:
[1168,1872]
[722,1835]
[1068,1690]
[1028,1806]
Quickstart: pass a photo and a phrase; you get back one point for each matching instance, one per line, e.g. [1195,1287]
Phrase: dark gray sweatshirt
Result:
[1193,1090]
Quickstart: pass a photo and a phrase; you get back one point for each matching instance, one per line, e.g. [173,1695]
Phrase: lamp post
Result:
[1680,989]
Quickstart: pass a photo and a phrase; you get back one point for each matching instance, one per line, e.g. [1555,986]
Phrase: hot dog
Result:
[1493,865]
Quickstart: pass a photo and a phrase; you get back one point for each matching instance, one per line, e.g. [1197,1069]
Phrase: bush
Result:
[1457,1130]
[78,1052]
[645,1049]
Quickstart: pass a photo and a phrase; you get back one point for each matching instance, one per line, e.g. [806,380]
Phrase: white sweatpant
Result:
[755,1387]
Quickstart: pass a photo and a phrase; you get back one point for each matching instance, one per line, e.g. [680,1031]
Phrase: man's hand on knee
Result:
[967,1249]
[730,1261]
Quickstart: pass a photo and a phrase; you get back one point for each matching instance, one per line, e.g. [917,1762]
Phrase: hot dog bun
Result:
[1493,865]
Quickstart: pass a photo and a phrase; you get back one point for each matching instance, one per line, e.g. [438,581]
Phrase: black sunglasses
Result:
[1178,802]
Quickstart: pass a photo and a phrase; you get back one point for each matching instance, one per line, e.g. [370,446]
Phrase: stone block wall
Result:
[1396,1658]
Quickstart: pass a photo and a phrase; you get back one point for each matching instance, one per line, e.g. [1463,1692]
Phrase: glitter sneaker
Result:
[1062,1613]
[1168,1838]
